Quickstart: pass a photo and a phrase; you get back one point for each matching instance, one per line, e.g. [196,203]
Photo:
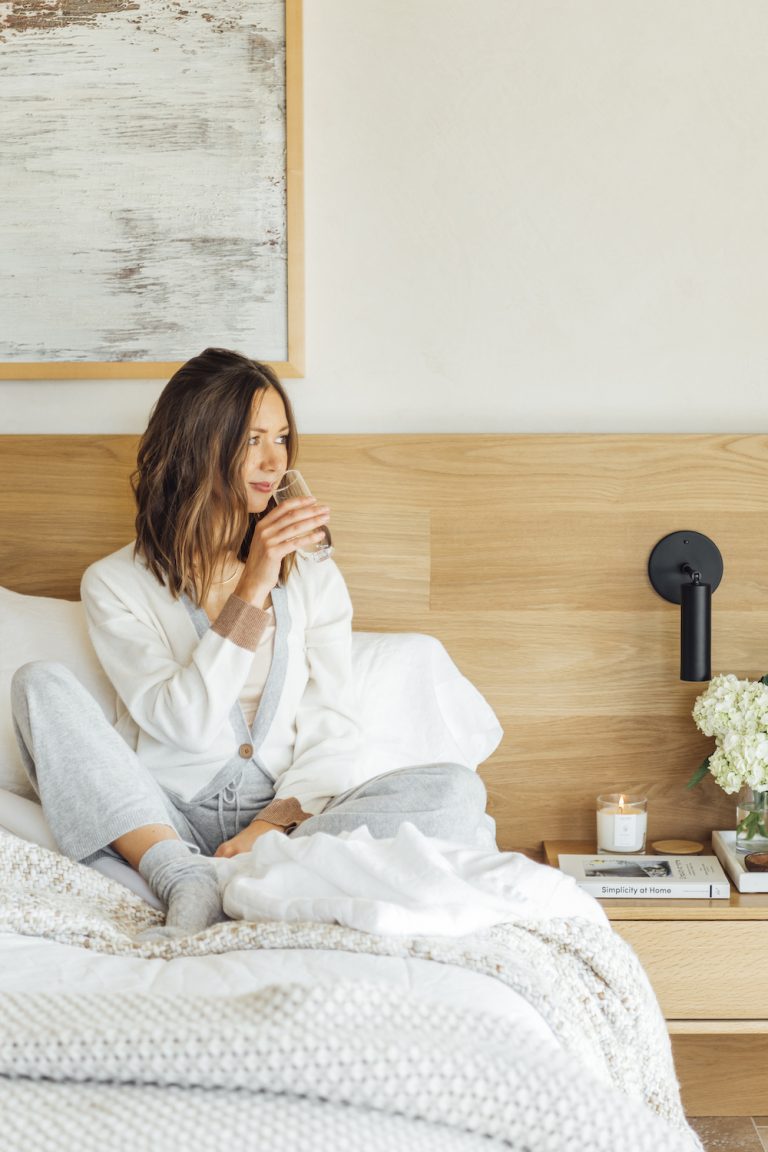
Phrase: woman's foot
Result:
[186,884]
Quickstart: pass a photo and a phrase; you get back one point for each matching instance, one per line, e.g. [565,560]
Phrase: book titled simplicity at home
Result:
[649,877]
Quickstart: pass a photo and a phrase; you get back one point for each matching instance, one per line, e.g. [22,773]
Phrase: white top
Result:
[250,695]
[176,691]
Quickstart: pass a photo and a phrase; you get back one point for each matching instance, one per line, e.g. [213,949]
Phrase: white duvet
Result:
[410,884]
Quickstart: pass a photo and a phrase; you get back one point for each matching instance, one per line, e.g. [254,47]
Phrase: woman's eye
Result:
[254,440]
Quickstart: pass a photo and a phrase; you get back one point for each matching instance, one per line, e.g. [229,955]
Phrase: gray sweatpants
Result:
[93,788]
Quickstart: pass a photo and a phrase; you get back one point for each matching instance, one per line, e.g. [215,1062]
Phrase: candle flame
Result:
[621,804]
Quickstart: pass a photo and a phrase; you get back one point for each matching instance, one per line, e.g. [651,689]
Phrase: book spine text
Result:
[621,889]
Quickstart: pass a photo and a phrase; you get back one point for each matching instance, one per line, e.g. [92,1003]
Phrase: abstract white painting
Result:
[143,190]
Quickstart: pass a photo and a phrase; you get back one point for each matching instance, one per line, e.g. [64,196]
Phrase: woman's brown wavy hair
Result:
[191,499]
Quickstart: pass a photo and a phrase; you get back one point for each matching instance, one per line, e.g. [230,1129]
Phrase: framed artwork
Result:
[152,194]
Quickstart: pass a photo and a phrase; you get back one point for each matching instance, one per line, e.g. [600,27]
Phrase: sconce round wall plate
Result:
[665,564]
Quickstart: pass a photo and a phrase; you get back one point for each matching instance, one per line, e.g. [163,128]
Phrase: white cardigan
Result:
[176,690]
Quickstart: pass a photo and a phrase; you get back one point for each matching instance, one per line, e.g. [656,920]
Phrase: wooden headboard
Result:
[525,555]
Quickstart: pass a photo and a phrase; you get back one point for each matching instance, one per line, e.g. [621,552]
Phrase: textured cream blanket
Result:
[359,1047]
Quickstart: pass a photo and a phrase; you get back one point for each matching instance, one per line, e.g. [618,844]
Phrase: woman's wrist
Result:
[257,595]
[259,827]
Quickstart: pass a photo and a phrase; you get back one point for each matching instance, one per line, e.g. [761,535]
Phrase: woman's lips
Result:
[261,487]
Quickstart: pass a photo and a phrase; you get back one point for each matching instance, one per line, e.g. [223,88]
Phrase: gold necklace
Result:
[228,579]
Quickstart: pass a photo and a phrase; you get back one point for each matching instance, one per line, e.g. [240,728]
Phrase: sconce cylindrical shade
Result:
[686,568]
[695,631]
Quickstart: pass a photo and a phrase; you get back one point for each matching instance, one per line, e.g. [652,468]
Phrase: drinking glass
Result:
[294,484]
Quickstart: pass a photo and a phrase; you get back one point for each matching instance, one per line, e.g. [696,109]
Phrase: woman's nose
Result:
[270,460]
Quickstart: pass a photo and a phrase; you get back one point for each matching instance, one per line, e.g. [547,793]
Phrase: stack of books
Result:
[724,844]
[649,877]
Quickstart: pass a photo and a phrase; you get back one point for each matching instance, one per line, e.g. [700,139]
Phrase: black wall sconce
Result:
[686,568]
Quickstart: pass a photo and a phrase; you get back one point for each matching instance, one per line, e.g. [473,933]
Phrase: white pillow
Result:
[41,628]
[415,705]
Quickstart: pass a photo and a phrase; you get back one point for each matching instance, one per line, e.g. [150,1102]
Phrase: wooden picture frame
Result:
[292,365]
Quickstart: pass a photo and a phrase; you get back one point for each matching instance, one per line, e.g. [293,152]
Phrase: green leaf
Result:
[764,679]
[699,774]
[752,825]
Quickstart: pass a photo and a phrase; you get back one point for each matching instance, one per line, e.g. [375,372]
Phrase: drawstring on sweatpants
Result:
[230,793]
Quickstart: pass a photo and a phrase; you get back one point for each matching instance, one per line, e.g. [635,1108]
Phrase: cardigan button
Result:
[246,751]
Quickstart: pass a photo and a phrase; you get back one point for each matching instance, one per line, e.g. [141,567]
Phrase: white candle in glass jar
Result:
[621,822]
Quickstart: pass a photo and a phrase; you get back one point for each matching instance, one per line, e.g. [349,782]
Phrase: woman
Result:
[231,660]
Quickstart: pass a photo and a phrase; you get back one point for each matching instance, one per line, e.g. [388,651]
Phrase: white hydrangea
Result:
[735,712]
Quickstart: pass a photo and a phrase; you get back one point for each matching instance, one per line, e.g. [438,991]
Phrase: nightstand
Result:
[708,963]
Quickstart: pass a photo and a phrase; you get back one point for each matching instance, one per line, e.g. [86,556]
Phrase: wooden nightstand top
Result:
[741,906]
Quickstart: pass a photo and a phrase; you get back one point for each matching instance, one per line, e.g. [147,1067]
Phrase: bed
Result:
[401,994]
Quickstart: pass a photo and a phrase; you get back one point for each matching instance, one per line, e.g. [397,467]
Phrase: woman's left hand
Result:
[246,839]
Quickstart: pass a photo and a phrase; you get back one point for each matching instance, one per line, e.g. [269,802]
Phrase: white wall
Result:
[522,215]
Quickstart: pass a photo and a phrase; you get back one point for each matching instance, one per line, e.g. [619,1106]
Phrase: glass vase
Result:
[752,820]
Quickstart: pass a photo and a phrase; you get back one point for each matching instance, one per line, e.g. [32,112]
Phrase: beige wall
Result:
[522,215]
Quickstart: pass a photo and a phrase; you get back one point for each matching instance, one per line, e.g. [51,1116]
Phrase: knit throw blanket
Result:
[361,1063]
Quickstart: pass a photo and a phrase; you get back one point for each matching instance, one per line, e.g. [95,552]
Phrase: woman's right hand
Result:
[280,532]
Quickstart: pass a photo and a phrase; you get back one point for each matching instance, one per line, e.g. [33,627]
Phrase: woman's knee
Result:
[38,676]
[460,787]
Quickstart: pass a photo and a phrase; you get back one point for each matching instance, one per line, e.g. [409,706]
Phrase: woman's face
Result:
[267,457]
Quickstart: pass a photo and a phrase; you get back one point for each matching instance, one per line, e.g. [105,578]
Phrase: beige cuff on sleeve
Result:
[241,623]
[285,814]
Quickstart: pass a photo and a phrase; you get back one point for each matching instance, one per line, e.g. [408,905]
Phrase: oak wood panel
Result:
[525,555]
[723,1075]
[64,502]
[576,559]
[541,778]
[716,1028]
[595,471]
[386,561]
[703,970]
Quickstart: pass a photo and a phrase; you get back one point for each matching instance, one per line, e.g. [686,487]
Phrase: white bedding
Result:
[32,965]
[293,1069]
[406,885]
[71,963]
[391,887]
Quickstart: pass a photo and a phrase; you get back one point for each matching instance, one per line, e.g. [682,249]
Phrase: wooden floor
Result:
[732,1133]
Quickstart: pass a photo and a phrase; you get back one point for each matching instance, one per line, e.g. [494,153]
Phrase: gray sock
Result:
[186,884]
